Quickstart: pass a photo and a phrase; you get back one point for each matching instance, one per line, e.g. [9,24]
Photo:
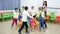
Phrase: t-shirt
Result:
[33,12]
[25,15]
[15,15]
[42,14]
[19,17]
[37,14]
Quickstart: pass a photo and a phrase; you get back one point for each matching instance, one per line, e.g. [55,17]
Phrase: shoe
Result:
[20,33]
[43,30]
[40,30]
[27,32]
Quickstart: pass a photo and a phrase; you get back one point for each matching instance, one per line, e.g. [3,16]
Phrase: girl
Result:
[41,19]
[33,24]
[45,6]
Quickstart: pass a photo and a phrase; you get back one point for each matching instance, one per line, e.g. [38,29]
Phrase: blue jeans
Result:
[41,24]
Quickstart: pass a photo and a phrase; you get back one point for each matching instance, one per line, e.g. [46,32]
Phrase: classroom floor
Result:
[5,28]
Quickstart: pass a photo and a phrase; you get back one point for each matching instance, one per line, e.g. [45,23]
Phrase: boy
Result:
[25,15]
[15,17]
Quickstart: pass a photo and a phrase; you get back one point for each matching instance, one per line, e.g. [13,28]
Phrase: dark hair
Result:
[39,8]
[26,8]
[19,9]
[32,6]
[45,3]
[23,7]
[16,8]
[42,7]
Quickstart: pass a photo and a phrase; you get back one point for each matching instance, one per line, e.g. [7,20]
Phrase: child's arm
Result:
[21,19]
[29,15]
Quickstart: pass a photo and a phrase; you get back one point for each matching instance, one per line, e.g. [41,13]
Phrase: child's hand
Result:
[21,19]
[43,17]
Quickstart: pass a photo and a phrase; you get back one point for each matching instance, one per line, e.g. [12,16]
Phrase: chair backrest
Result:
[52,14]
[57,17]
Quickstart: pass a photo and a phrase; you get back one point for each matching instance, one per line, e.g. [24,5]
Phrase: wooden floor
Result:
[5,28]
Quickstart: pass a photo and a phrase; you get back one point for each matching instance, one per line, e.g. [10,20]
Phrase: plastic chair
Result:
[0,15]
[57,20]
[47,17]
[11,14]
[4,15]
[52,16]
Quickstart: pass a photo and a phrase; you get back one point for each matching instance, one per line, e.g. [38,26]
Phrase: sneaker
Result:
[27,32]
[40,30]
[20,33]
[43,30]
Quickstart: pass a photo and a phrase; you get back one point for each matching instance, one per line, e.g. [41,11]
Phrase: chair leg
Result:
[54,21]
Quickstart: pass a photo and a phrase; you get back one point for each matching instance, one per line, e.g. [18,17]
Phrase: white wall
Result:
[54,3]
[29,3]
[38,3]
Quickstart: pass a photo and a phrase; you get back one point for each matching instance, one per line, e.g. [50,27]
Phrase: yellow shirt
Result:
[37,14]
[42,13]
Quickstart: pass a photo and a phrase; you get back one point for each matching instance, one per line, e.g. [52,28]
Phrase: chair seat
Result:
[47,17]
[57,18]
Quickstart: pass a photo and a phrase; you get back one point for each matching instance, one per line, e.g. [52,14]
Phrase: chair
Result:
[11,15]
[0,16]
[57,20]
[52,16]
[47,18]
[4,15]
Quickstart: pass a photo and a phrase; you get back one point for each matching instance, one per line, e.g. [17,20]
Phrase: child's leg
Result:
[45,23]
[13,22]
[26,25]
[31,27]
[21,27]
[36,27]
[16,21]
[41,25]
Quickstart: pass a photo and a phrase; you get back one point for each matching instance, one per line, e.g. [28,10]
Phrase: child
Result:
[33,23]
[19,17]
[20,22]
[45,6]
[21,13]
[41,19]
[38,13]
[33,13]
[15,17]
[25,14]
